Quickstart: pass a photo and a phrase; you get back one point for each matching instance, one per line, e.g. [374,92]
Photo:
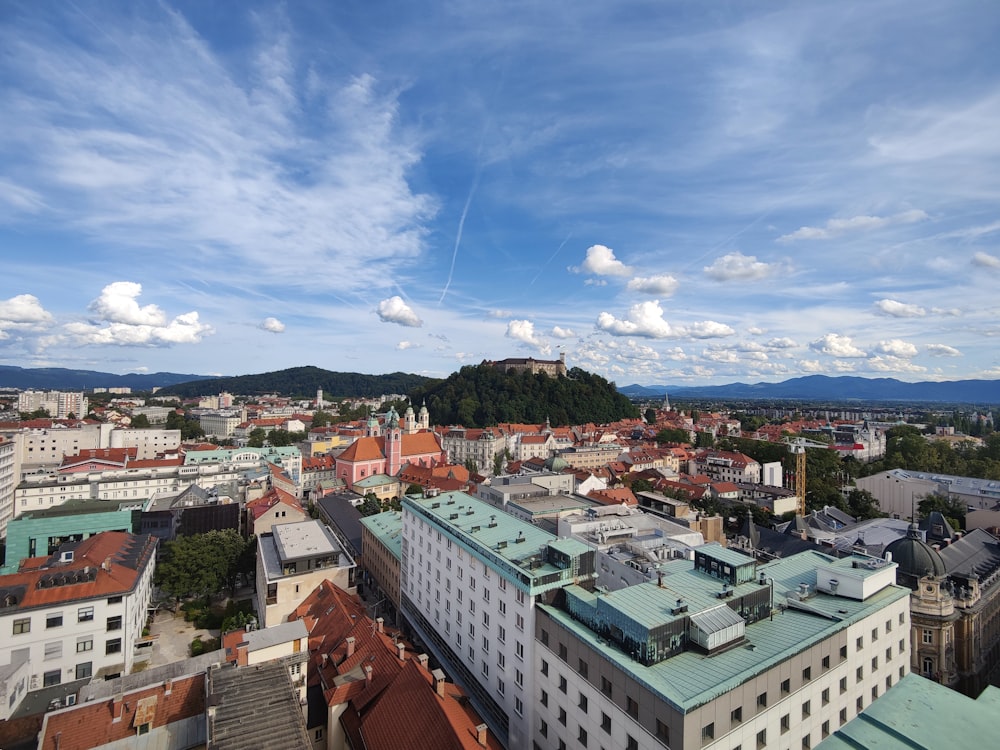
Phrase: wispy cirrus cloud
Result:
[985,260]
[837,227]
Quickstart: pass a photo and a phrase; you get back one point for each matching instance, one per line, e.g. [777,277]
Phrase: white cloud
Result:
[894,364]
[664,285]
[781,342]
[524,331]
[273,325]
[736,266]
[896,309]
[952,312]
[395,310]
[835,345]
[595,282]
[118,304]
[644,319]
[836,227]
[23,311]
[184,329]
[942,350]
[897,348]
[562,333]
[601,261]
[756,331]
[500,313]
[404,345]
[721,356]
[708,329]
[985,260]
[810,365]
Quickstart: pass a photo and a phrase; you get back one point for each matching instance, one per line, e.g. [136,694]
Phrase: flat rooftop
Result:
[692,678]
[295,541]
[387,527]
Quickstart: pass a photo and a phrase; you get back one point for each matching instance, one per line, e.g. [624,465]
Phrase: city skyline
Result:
[668,194]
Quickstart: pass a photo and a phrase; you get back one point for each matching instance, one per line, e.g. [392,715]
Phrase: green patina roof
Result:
[376,480]
[691,678]
[921,714]
[387,527]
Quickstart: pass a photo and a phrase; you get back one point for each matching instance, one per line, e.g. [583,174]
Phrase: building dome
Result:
[915,558]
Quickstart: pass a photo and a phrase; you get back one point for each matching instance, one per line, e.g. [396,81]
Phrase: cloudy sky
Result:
[668,192]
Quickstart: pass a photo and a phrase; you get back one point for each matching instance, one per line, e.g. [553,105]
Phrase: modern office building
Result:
[470,579]
[720,652]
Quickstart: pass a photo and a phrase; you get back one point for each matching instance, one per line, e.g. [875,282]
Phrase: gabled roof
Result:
[259,506]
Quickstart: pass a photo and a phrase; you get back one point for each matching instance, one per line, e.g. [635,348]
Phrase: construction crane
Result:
[797,446]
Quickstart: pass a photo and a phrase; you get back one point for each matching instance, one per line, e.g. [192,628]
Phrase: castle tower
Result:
[372,428]
[425,418]
[409,421]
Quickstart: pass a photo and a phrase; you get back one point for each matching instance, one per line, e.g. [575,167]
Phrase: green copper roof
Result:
[387,527]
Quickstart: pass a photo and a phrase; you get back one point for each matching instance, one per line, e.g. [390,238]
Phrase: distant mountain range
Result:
[825,388]
[59,378]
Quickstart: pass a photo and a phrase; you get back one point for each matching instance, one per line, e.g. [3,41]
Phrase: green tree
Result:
[201,564]
[498,464]
[256,437]
[371,505]
[471,465]
[951,509]
[140,421]
[322,419]
[415,489]
[650,416]
[862,504]
[641,485]
[673,435]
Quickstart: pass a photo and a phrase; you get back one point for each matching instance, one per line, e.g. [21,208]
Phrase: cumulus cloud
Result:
[897,309]
[756,331]
[810,365]
[897,348]
[664,285]
[835,345]
[781,342]
[942,350]
[562,333]
[118,303]
[395,310]
[23,311]
[836,227]
[644,319]
[737,266]
[985,260]
[708,329]
[404,345]
[524,331]
[601,261]
[184,329]
[272,325]
[894,364]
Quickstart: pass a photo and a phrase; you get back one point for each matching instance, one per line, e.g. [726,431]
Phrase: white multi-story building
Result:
[76,615]
[720,652]
[8,481]
[470,579]
[149,443]
[59,404]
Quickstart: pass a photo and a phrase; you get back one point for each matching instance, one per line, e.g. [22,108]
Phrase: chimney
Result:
[438,676]
[241,654]
[117,708]
[401,649]
[350,646]
[481,734]
[423,659]
[368,673]
[380,624]
[168,686]
[326,659]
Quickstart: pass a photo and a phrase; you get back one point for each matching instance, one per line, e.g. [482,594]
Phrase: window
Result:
[662,732]
[503,607]
[806,709]
[518,707]
[843,716]
[860,643]
[874,692]
[632,707]
[143,728]
[859,674]
[519,678]
[762,738]
[582,737]
[543,729]
[53,650]
[786,686]
[631,743]
[501,660]
[806,742]
[52,678]
[53,620]
[486,644]
[825,729]
[501,634]
[927,637]
[85,643]
[85,670]
[874,663]
[562,684]
[85,614]
[762,700]
[545,667]
[582,705]
[807,674]
[826,662]
[902,618]
[486,669]
[115,623]
[736,715]
[843,652]
[888,654]
[582,668]
[874,634]
[825,695]
[786,723]
[888,682]
[888,626]
[606,686]
[545,698]
[519,650]
[859,704]
[519,596]
[114,600]
[114,646]
[562,651]
[562,716]
[519,622]
[22,626]
[606,723]
[501,688]
[843,685]
[708,732]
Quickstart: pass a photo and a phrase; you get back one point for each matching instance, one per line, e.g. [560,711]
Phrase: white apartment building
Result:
[726,466]
[78,616]
[149,443]
[470,579]
[720,653]
[221,424]
[59,404]
[479,445]
[8,481]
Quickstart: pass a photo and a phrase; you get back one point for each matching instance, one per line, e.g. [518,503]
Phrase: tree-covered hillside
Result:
[482,395]
[303,382]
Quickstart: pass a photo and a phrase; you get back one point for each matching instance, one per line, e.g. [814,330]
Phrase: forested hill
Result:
[303,382]
[482,395]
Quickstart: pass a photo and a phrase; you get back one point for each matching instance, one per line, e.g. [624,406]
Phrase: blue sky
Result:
[668,192]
